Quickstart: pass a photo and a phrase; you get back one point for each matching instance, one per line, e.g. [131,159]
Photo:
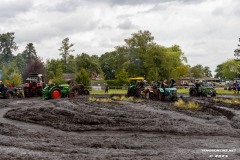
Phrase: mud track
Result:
[77,128]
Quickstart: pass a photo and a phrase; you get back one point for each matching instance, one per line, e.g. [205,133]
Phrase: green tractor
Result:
[204,91]
[137,85]
[57,91]
[169,94]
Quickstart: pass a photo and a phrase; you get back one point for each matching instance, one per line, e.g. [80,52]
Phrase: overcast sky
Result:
[206,30]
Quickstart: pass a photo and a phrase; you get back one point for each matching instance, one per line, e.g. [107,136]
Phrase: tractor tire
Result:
[27,92]
[56,93]
[9,95]
[161,96]
[137,93]
[193,93]
[71,95]
[214,94]
[130,92]
[151,95]
[147,95]
[75,90]
[86,92]
[39,92]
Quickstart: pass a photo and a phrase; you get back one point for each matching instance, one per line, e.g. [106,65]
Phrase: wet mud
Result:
[79,128]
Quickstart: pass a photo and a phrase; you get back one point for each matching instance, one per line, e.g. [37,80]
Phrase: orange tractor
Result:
[34,85]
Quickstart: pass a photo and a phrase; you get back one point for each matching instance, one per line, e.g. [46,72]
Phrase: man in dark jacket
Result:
[172,82]
[2,87]
[198,85]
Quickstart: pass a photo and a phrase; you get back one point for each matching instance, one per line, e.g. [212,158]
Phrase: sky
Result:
[207,31]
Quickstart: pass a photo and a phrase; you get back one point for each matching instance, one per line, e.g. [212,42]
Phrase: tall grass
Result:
[229,101]
[191,105]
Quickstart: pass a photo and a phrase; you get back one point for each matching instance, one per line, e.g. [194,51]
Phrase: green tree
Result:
[207,71]
[108,65]
[71,64]
[20,62]
[136,49]
[89,63]
[15,78]
[219,71]
[180,71]
[122,77]
[197,71]
[11,74]
[230,68]
[65,50]
[7,46]
[54,70]
[82,76]
[29,53]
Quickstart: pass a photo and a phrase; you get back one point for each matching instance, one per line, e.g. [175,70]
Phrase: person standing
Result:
[198,85]
[237,87]
[106,88]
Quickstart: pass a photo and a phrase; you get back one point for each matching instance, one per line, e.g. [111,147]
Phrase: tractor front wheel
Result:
[56,93]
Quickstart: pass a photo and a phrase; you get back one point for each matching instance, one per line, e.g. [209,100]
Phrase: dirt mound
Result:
[73,129]
[79,115]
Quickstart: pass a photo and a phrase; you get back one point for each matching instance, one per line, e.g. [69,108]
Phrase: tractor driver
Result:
[198,85]
[164,84]
[172,82]
[2,87]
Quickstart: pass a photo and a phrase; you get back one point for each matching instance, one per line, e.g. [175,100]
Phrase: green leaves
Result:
[82,76]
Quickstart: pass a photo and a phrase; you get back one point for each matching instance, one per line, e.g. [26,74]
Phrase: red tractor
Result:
[34,85]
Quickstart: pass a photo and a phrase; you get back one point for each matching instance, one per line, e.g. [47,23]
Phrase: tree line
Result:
[138,56]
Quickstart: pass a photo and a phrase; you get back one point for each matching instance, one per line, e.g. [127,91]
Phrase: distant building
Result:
[186,80]
[210,79]
[68,76]
[189,80]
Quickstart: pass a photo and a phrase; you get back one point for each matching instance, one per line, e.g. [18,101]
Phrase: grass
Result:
[106,100]
[116,98]
[219,91]
[229,101]
[122,98]
[187,105]
[110,91]
[181,91]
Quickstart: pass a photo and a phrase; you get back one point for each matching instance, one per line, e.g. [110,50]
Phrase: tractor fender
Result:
[161,90]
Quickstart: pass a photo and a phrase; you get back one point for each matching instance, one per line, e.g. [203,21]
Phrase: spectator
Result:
[198,85]
[237,87]
[106,88]
[2,87]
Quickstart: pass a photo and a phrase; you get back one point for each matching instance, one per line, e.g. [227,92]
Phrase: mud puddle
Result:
[82,129]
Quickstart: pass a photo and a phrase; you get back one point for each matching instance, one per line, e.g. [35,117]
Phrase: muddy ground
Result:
[69,129]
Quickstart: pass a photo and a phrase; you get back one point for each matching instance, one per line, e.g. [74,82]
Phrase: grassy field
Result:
[110,91]
[181,91]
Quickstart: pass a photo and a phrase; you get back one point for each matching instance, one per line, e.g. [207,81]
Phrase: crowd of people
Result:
[155,85]
[236,87]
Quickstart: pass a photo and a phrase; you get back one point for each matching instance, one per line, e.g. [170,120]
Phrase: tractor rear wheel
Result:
[56,93]
[213,94]
[86,92]
[39,91]
[193,93]
[161,96]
